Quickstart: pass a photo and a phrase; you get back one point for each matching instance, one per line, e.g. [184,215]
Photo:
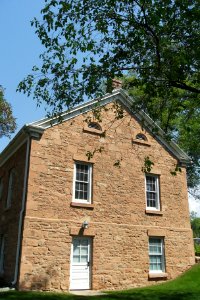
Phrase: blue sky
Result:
[19,52]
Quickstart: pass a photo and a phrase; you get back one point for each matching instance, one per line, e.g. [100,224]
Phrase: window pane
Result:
[10,188]
[81,172]
[151,183]
[84,258]
[84,251]
[151,199]
[81,191]
[82,182]
[84,243]
[155,241]
[155,263]
[76,258]
[1,188]
[155,249]
[76,250]
[2,253]
[152,193]
[156,256]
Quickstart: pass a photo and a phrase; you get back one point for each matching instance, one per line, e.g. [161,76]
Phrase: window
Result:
[141,136]
[156,255]
[82,182]
[10,188]
[152,192]
[94,125]
[2,253]
[1,188]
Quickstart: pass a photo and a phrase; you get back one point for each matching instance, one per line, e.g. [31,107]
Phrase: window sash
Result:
[2,253]
[82,182]
[156,255]
[10,189]
[152,192]
[1,188]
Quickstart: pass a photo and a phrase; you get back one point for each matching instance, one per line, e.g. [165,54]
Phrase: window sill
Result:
[92,130]
[157,275]
[141,142]
[153,212]
[84,205]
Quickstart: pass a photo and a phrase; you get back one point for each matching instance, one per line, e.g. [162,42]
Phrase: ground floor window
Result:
[2,253]
[156,255]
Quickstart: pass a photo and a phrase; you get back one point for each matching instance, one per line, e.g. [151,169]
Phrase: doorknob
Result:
[88,263]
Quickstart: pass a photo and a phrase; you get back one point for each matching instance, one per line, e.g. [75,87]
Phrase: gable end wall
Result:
[118,222]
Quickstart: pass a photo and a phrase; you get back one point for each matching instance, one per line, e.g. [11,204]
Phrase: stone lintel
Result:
[156,232]
[84,158]
[81,231]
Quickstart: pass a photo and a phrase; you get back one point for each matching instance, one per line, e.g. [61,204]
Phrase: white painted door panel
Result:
[80,263]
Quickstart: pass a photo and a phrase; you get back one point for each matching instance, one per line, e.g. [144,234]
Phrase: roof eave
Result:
[19,139]
[36,129]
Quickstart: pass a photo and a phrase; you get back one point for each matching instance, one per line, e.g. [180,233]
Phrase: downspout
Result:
[22,213]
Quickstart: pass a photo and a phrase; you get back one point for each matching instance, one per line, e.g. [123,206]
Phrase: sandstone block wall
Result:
[118,221]
[9,218]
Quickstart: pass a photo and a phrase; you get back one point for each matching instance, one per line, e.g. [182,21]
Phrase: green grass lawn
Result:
[186,287]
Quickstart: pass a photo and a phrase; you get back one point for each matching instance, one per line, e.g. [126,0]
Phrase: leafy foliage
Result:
[90,154]
[197,249]
[148,164]
[177,112]
[195,224]
[88,42]
[7,121]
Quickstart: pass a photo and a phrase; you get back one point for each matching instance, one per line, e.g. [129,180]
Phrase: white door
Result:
[80,263]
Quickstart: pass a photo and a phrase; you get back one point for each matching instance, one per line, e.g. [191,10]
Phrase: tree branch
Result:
[183,86]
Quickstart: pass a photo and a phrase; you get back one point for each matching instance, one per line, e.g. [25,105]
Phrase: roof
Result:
[117,95]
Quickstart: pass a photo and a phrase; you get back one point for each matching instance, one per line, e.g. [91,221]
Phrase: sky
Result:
[19,52]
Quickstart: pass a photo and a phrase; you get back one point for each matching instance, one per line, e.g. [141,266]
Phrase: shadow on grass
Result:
[132,295]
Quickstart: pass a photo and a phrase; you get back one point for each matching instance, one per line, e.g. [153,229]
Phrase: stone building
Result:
[91,202]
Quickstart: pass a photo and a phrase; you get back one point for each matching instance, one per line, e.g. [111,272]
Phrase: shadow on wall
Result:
[50,279]
[3,283]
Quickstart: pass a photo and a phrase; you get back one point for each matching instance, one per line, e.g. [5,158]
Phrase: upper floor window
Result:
[94,125]
[10,188]
[152,192]
[1,188]
[2,253]
[82,182]
[156,255]
[141,136]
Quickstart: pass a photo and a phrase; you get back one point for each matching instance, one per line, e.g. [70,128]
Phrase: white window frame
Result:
[2,253]
[157,192]
[10,188]
[1,188]
[162,255]
[89,183]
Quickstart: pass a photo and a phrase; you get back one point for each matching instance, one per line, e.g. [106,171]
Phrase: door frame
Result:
[90,238]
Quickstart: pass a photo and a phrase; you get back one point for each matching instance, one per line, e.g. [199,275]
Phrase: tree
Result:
[7,121]
[195,224]
[176,113]
[88,42]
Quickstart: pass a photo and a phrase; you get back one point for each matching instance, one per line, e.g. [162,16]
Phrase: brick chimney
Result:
[116,84]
